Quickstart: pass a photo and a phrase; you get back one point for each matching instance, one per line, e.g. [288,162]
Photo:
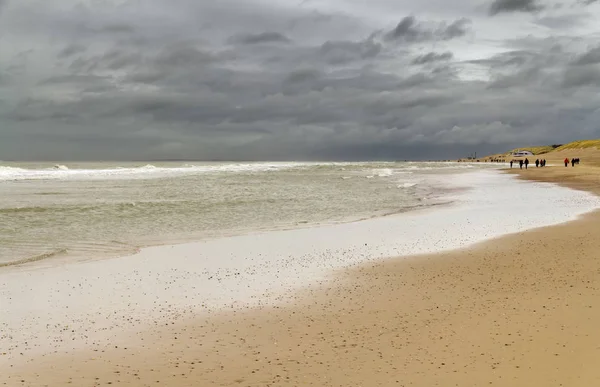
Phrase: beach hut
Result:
[524,153]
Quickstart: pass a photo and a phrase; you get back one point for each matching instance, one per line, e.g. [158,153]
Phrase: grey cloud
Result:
[500,6]
[507,59]
[118,28]
[172,81]
[337,52]
[456,29]
[409,30]
[113,59]
[406,29]
[146,76]
[563,21]
[590,57]
[303,75]
[581,76]
[265,37]
[70,50]
[432,57]
[79,79]
[520,79]
[183,54]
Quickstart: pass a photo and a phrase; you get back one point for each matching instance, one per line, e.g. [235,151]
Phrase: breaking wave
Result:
[62,172]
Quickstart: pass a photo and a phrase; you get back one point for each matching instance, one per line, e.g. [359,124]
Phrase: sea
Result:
[108,209]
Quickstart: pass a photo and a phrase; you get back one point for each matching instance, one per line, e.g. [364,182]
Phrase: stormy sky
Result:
[294,79]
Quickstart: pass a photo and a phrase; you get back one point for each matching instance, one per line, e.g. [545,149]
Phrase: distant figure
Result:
[521,164]
[526,162]
[511,163]
[573,162]
[566,162]
[537,163]
[543,162]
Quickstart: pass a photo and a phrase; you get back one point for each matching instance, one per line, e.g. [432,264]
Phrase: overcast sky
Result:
[286,79]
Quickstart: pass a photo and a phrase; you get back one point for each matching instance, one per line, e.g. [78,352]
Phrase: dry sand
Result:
[522,310]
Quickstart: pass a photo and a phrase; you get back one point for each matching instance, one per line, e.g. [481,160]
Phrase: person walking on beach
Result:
[521,164]
[566,162]
[511,163]
[573,162]
[537,163]
[526,163]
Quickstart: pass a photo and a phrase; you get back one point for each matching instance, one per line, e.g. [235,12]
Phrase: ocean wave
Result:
[148,171]
[384,172]
[438,166]
[62,172]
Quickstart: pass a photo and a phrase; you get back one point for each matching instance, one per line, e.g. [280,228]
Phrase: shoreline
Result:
[309,300]
[116,246]
[63,256]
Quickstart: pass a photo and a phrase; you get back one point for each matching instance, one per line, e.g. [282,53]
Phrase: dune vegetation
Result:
[581,144]
[540,150]
[588,148]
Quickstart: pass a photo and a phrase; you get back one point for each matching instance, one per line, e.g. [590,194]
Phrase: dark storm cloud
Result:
[520,78]
[183,55]
[113,59]
[582,76]
[432,57]
[118,28]
[148,77]
[337,52]
[500,6]
[198,80]
[590,57]
[410,30]
[78,79]
[264,37]
[71,50]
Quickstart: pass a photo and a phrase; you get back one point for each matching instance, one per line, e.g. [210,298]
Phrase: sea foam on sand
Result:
[91,303]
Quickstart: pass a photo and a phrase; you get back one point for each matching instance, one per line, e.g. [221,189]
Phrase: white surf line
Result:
[88,304]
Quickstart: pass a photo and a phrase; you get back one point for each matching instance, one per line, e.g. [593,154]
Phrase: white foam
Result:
[62,172]
[384,172]
[245,270]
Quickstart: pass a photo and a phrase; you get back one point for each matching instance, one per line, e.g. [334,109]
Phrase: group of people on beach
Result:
[538,163]
[573,161]
[542,162]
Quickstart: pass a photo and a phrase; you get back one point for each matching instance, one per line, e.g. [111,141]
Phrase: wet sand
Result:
[521,310]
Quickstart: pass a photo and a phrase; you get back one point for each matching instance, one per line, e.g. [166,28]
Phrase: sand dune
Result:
[588,152]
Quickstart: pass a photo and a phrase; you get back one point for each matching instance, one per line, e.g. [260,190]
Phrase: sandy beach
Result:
[519,310]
